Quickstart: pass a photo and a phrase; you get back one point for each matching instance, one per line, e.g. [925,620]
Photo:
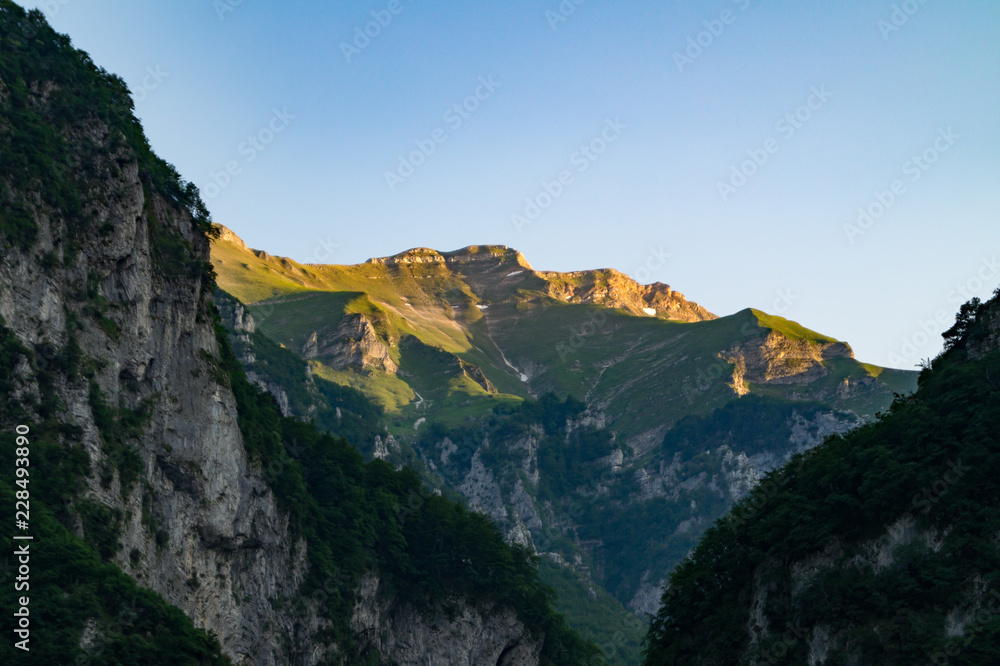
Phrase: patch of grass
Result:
[388,391]
[791,329]
[595,614]
[110,328]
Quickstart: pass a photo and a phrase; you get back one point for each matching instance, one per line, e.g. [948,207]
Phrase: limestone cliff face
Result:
[469,636]
[470,254]
[489,269]
[122,287]
[222,552]
[498,474]
[352,344]
[616,290]
[778,359]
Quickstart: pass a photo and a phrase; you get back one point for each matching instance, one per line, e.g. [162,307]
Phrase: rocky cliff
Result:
[488,267]
[149,342]
[614,289]
[106,309]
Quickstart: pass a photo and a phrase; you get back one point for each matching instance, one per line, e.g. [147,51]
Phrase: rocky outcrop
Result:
[153,343]
[455,259]
[385,447]
[276,390]
[464,636]
[417,255]
[352,344]
[646,600]
[778,359]
[119,293]
[614,289]
[226,235]
[476,374]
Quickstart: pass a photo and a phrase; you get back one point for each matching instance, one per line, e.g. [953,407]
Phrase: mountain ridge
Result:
[665,419]
[604,286]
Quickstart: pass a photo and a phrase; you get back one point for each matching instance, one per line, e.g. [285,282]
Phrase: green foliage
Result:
[568,471]
[754,424]
[101,526]
[70,588]
[596,614]
[174,256]
[359,517]
[120,428]
[50,91]
[929,461]
[339,410]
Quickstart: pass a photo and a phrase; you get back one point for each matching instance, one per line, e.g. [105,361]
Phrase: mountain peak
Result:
[497,254]
[229,236]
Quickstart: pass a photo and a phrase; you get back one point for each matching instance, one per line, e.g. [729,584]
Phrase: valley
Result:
[601,423]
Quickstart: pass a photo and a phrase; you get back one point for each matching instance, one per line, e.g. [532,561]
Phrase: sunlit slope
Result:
[452,334]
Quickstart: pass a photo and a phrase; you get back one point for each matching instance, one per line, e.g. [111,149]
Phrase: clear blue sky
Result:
[676,118]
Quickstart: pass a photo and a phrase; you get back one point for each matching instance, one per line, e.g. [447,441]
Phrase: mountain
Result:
[469,329]
[601,423]
[881,546]
[175,515]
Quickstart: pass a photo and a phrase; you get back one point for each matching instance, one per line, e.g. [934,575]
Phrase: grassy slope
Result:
[595,614]
[645,371]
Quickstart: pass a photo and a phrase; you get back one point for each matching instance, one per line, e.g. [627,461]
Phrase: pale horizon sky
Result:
[736,138]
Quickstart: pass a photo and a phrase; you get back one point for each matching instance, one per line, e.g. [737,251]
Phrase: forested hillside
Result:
[881,546]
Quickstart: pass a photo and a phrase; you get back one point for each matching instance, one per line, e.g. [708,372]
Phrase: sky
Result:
[835,163]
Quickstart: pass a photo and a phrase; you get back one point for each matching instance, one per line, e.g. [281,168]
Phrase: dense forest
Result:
[898,519]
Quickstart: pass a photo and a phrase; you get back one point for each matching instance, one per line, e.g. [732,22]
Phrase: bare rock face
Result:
[614,289]
[476,374]
[467,636]
[226,234]
[778,359]
[219,524]
[221,550]
[992,340]
[352,344]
